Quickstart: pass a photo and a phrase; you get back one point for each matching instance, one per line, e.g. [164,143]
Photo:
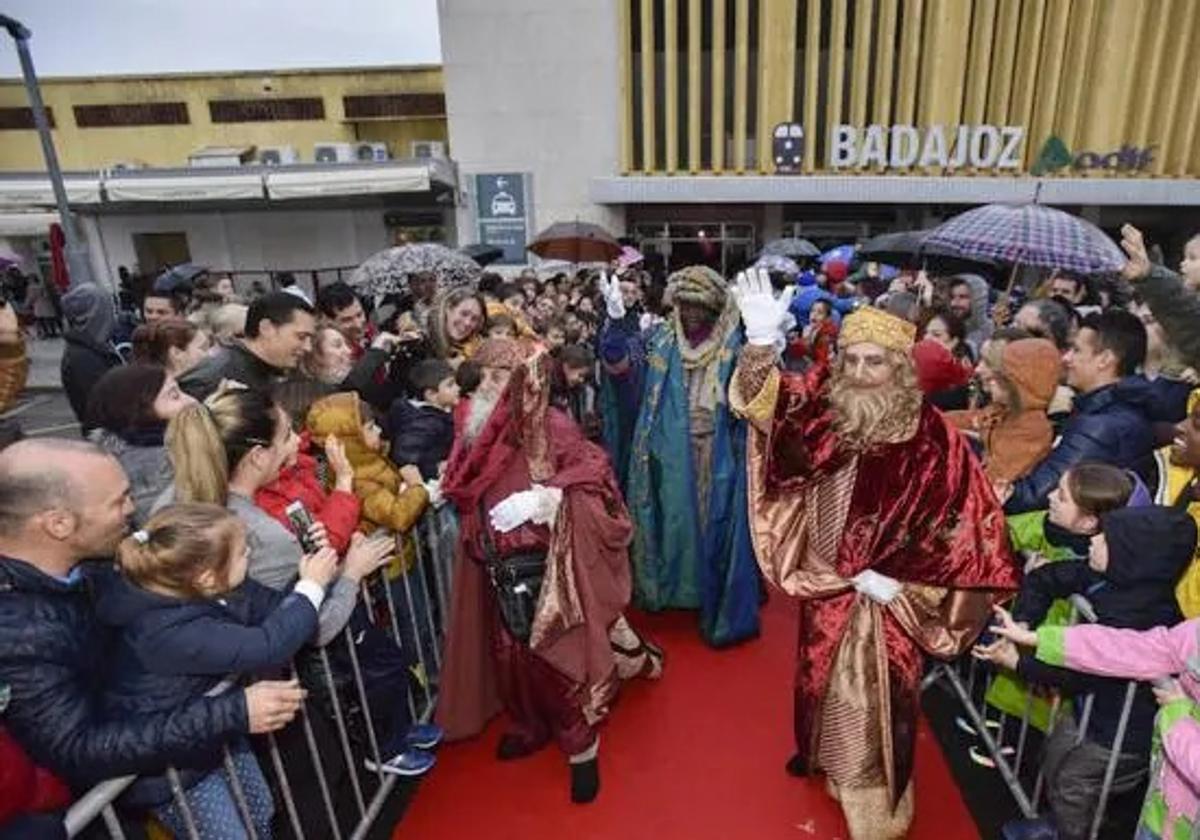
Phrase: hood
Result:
[937,369]
[1137,391]
[89,311]
[1033,366]
[341,415]
[120,603]
[1148,545]
[980,293]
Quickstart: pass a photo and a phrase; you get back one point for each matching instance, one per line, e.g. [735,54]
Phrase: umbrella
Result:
[7,262]
[909,249]
[629,257]
[178,278]
[841,254]
[793,248]
[1029,234]
[388,271]
[576,242]
[482,254]
[778,264]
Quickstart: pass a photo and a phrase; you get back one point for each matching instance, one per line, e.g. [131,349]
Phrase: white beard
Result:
[482,406]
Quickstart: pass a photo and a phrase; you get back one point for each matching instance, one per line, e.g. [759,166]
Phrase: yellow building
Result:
[158,121]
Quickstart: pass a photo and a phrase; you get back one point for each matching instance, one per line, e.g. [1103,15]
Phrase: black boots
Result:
[585,781]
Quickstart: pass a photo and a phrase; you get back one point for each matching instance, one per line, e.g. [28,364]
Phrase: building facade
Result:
[254,173]
[703,127]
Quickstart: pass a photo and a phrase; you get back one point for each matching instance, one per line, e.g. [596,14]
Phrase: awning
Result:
[185,188]
[348,181]
[26,224]
[37,192]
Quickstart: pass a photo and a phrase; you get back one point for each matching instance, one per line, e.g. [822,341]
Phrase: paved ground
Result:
[43,408]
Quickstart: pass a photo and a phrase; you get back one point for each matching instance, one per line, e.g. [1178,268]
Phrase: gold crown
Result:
[877,327]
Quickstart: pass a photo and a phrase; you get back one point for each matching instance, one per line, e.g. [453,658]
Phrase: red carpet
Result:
[697,755]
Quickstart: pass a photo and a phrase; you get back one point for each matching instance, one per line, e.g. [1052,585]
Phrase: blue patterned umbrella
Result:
[1029,234]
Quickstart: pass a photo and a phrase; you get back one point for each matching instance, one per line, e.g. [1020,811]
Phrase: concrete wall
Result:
[245,241]
[170,145]
[531,86]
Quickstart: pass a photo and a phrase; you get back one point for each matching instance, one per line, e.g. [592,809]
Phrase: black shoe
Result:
[512,747]
[797,766]
[585,781]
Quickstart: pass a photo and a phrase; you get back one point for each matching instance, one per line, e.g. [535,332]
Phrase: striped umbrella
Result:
[1029,234]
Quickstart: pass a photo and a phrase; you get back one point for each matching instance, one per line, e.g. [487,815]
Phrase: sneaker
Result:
[424,736]
[411,762]
[1038,828]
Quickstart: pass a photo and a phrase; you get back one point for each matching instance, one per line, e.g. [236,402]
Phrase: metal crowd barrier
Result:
[427,584]
[1026,780]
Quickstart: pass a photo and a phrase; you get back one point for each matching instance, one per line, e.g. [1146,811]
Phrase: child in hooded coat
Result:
[1129,579]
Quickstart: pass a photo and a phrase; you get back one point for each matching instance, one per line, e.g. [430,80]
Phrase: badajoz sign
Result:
[995,147]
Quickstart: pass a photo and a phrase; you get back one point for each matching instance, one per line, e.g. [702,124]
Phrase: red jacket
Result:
[26,788]
[336,510]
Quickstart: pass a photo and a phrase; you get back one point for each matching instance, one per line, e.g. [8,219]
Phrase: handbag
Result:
[516,581]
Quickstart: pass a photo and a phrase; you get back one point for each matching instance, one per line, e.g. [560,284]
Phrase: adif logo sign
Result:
[1055,156]
[906,146]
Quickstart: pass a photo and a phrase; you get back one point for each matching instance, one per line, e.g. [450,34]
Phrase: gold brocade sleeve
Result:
[943,621]
[754,387]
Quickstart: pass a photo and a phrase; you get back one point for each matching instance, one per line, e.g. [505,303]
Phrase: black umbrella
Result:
[800,250]
[908,249]
[482,254]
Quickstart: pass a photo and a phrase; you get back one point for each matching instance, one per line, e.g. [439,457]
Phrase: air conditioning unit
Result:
[278,155]
[428,149]
[334,152]
[371,151]
[221,156]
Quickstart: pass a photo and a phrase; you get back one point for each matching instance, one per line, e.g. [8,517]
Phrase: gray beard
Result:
[482,406]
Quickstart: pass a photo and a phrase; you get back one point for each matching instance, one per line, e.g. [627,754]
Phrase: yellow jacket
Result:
[1172,479]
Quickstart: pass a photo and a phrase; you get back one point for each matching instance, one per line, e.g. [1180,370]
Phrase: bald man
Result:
[62,501]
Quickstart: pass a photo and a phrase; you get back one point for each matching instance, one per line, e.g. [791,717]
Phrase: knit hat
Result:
[700,285]
[877,327]
[1148,543]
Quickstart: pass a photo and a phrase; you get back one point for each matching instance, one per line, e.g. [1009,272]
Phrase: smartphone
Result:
[302,522]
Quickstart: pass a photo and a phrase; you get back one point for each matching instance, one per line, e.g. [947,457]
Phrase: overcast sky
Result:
[86,37]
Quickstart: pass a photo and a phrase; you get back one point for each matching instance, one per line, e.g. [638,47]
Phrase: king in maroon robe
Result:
[562,683]
[905,498]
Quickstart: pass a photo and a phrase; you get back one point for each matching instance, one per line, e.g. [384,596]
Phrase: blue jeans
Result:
[214,808]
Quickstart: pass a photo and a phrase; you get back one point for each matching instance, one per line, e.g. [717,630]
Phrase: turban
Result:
[877,327]
[505,353]
[698,284]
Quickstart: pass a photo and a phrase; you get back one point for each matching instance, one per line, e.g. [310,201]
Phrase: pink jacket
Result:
[1173,799]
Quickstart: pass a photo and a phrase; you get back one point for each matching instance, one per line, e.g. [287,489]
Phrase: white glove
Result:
[610,289]
[434,488]
[538,505]
[879,588]
[764,315]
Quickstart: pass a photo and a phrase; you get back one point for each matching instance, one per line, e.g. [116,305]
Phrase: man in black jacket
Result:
[1108,421]
[279,331]
[60,502]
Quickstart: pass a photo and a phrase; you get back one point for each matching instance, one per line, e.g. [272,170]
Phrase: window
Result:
[17,118]
[132,113]
[267,110]
[385,105]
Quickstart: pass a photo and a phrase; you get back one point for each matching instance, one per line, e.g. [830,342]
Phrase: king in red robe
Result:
[524,478]
[870,509]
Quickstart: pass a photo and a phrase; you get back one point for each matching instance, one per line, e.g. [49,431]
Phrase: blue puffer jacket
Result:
[54,657]
[169,650]
[1110,425]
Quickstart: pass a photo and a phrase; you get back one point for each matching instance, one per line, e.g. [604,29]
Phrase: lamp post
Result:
[77,259]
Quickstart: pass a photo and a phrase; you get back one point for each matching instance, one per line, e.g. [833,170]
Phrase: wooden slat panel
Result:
[1008,20]
[978,66]
[910,61]
[671,80]
[1028,56]
[885,58]
[695,30]
[1152,57]
[777,72]
[1077,65]
[1049,78]
[860,61]
[1109,93]
[1173,89]
[1183,140]
[625,64]
[812,72]
[947,26]
[835,84]
[649,148]
[741,71]
[718,86]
